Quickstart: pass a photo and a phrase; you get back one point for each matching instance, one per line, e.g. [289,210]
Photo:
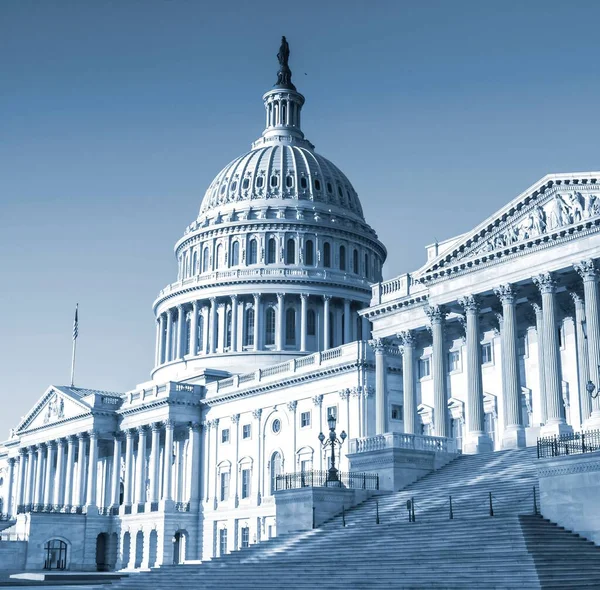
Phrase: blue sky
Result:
[115,117]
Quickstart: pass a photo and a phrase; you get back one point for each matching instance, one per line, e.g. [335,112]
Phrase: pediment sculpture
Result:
[55,410]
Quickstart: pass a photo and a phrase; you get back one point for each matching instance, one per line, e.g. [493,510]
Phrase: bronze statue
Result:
[284,75]
[284,53]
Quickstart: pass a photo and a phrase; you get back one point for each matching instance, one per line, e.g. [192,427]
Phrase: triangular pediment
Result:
[56,405]
[557,204]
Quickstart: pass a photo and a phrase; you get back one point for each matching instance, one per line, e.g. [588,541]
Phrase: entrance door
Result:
[56,555]
[101,553]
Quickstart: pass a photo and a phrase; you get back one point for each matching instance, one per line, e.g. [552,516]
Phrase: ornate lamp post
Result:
[591,388]
[331,441]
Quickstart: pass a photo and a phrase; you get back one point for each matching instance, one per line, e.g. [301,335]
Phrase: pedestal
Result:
[556,429]
[514,438]
[477,443]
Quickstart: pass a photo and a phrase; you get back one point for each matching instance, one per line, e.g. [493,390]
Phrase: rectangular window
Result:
[304,419]
[305,465]
[332,411]
[222,541]
[486,354]
[245,537]
[224,486]
[245,483]
[425,367]
[225,435]
[523,346]
[397,412]
[454,360]
[246,431]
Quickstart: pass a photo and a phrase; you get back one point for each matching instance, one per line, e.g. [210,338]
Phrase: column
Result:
[303,321]
[583,365]
[234,327]
[155,462]
[326,343]
[256,414]
[194,466]
[588,273]
[280,334]
[115,482]
[30,473]
[513,436]
[380,397]
[128,491]
[70,473]
[477,440]
[207,464]
[80,493]
[257,321]
[180,330]
[157,347]
[408,379]
[48,476]
[556,423]
[539,328]
[9,486]
[193,335]
[140,468]
[39,477]
[169,337]
[366,328]
[437,317]
[213,326]
[347,322]
[59,483]
[235,441]
[92,474]
[161,340]
[167,457]
[20,499]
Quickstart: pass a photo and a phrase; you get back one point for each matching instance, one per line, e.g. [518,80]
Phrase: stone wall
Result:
[569,492]
[12,555]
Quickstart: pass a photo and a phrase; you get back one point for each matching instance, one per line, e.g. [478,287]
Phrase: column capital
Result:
[51,445]
[129,432]
[156,426]
[256,296]
[31,450]
[280,296]
[235,418]
[435,313]
[505,293]
[195,426]
[304,296]
[326,298]
[406,337]
[212,300]
[23,451]
[195,304]
[234,297]
[291,406]
[256,414]
[92,434]
[586,269]
[71,438]
[545,282]
[344,394]
[60,442]
[11,461]
[142,429]
[318,400]
[81,436]
[470,303]
[378,345]
[169,424]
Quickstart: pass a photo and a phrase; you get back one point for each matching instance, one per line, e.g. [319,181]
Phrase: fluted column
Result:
[437,317]
[257,414]
[157,345]
[20,498]
[161,339]
[213,326]
[347,323]
[234,323]
[115,480]
[140,468]
[477,440]
[167,457]
[583,364]
[58,499]
[169,337]
[49,475]
[539,328]
[70,473]
[280,343]
[257,321]
[556,423]
[92,475]
[81,458]
[193,335]
[326,343]
[408,379]
[588,273]
[180,330]
[10,482]
[380,392]
[303,321]
[514,433]
[155,462]
[128,491]
[194,466]
[30,477]
[39,478]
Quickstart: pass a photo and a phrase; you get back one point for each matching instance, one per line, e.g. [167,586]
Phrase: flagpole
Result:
[75,334]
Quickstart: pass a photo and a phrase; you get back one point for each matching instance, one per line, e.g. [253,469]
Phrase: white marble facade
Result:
[267,331]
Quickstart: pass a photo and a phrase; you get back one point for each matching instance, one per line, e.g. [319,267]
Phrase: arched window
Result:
[290,255]
[252,251]
[290,327]
[289,181]
[342,258]
[309,253]
[304,182]
[249,328]
[205,258]
[311,323]
[228,329]
[188,322]
[331,329]
[219,260]
[355,262]
[276,469]
[235,253]
[259,182]
[283,113]
[367,269]
[274,180]
[326,255]
[55,553]
[195,263]
[271,251]
[317,184]
[359,335]
[200,341]
[270,326]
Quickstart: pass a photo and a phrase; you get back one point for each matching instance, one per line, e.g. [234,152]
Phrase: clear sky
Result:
[116,115]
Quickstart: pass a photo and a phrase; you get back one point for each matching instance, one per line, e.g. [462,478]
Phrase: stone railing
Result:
[168,389]
[399,440]
[401,286]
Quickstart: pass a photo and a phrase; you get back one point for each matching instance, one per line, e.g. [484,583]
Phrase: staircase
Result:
[513,549]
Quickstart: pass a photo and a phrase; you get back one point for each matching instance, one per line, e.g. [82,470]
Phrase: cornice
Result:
[157,404]
[397,305]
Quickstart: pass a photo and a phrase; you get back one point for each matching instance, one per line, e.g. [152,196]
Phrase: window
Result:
[309,253]
[276,469]
[219,260]
[276,426]
[270,326]
[186,342]
[222,541]
[290,327]
[259,182]
[317,184]
[246,431]
[355,262]
[304,419]
[224,486]
[367,269]
[457,432]
[228,329]
[486,353]
[490,427]
[252,251]
[249,328]
[454,361]
[397,412]
[246,183]
[233,186]
[425,367]
[274,180]
[245,537]
[332,411]
[200,341]
[225,435]
[289,181]
[195,262]
[311,322]
[342,258]
[305,465]
[340,194]
[290,256]
[235,253]
[329,187]
[205,260]
[245,483]
[303,182]
[271,251]
[523,346]
[326,255]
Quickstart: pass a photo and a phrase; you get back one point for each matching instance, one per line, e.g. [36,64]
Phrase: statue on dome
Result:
[284,75]
[284,53]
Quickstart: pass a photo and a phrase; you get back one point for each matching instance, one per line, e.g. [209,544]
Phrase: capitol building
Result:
[277,320]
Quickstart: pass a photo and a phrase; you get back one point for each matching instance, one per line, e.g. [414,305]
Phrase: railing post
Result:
[535,508]
[377,484]
[376,511]
[491,506]
[451,513]
[343,515]
[412,509]
[583,442]
[313,517]
[364,481]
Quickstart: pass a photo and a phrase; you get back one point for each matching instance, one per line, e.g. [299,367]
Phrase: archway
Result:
[126,550]
[55,552]
[179,544]
[139,549]
[153,548]
[276,469]
[102,543]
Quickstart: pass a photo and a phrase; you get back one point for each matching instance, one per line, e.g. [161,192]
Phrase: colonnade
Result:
[543,303]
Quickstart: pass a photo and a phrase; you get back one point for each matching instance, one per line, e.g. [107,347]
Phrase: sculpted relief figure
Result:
[558,212]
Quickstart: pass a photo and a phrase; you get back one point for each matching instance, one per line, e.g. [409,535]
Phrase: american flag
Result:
[76,323]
